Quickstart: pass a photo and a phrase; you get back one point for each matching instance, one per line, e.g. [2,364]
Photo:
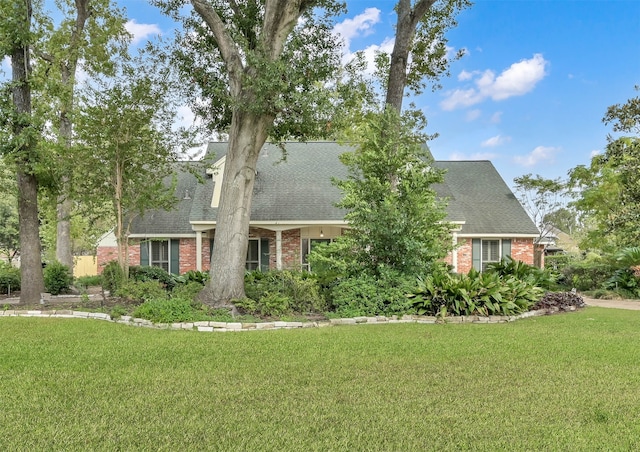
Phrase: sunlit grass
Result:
[564,382]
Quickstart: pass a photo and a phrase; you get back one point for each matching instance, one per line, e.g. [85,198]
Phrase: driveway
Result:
[633,305]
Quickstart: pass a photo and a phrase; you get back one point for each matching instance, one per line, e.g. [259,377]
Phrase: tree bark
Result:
[408,19]
[248,135]
[64,251]
[30,250]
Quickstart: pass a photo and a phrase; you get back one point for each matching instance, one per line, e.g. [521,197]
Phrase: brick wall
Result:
[106,254]
[188,255]
[521,250]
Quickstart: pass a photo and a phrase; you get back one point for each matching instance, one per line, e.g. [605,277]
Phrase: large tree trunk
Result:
[30,251]
[248,135]
[64,252]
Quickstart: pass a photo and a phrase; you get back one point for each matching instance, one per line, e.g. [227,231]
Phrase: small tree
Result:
[402,229]
[128,147]
[540,197]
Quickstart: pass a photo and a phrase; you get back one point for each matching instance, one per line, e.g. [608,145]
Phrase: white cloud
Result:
[538,155]
[519,79]
[5,66]
[496,118]
[457,156]
[360,25]
[498,140]
[472,115]
[141,31]
[595,152]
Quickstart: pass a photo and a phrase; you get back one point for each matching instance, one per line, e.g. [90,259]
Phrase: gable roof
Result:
[298,189]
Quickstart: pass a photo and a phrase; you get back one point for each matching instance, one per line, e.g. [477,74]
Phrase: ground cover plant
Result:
[566,382]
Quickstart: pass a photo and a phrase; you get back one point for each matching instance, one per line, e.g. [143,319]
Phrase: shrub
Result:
[625,282]
[187,291]
[196,276]
[300,289]
[367,296]
[474,293]
[587,275]
[151,273]
[88,281]
[57,278]
[9,278]
[169,310]
[544,278]
[140,291]
[112,277]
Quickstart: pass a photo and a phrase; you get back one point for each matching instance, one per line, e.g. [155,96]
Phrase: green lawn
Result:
[564,382]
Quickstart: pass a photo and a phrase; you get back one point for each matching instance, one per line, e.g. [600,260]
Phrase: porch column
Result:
[199,251]
[454,252]
[279,250]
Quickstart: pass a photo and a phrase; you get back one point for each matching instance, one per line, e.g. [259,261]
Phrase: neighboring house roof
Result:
[298,188]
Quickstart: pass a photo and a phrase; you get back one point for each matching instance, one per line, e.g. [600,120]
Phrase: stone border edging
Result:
[211,326]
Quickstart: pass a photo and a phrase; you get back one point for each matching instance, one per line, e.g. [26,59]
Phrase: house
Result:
[293,209]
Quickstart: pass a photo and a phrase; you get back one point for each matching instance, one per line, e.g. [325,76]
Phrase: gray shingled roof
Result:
[299,189]
[176,220]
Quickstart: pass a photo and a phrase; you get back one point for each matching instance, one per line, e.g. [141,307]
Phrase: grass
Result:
[564,382]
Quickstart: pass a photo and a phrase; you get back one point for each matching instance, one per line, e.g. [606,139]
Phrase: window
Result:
[253,255]
[160,254]
[307,246]
[490,252]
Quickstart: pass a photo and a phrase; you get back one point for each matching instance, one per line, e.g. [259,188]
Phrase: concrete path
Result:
[633,305]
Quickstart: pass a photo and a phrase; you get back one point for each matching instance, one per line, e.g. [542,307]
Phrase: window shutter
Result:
[144,253]
[264,254]
[174,264]
[475,254]
[506,248]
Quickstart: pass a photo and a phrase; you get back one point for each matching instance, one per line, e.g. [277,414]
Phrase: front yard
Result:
[563,382]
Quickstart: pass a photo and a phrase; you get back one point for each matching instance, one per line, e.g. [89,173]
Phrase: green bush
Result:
[188,291]
[624,282]
[88,281]
[9,278]
[140,291]
[558,262]
[152,273]
[300,289]
[196,276]
[112,277]
[57,278]
[474,293]
[365,295]
[543,278]
[170,310]
[587,275]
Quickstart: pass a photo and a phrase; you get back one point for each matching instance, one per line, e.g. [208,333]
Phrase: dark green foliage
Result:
[112,277]
[563,301]
[365,295]
[475,293]
[271,304]
[558,262]
[196,276]
[587,275]
[188,291]
[625,282]
[58,278]
[88,281]
[152,273]
[140,291]
[170,310]
[543,278]
[273,290]
[9,278]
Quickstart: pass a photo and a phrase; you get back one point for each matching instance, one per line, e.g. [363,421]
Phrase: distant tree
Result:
[607,192]
[565,219]
[20,137]
[128,144]
[540,197]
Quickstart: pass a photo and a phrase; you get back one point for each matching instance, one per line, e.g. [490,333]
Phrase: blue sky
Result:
[532,89]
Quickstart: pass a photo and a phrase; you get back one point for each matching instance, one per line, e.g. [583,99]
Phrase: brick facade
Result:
[522,249]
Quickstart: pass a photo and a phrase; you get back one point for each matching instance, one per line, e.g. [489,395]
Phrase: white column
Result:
[199,251]
[279,250]
[454,253]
